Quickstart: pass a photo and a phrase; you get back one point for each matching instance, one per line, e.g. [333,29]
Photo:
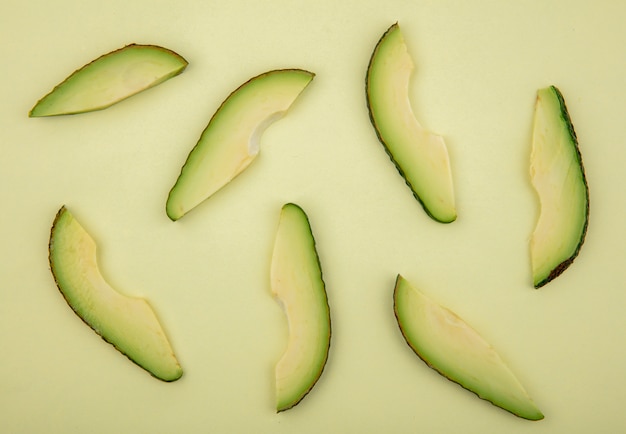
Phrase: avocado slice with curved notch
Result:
[128,323]
[230,142]
[110,79]
[420,156]
[451,347]
[296,282]
[558,176]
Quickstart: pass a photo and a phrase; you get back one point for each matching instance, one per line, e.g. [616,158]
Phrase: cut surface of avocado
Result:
[296,282]
[558,176]
[128,323]
[420,156]
[454,349]
[109,79]
[230,142]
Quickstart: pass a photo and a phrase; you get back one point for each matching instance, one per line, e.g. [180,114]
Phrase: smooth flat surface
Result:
[478,66]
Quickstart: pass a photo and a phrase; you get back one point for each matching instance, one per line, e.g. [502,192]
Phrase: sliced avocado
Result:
[451,347]
[230,142]
[558,176]
[110,79]
[420,156]
[128,323]
[296,281]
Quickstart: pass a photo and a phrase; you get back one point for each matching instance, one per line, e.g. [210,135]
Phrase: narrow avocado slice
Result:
[451,347]
[297,284]
[230,142]
[558,176]
[420,156]
[128,323]
[110,79]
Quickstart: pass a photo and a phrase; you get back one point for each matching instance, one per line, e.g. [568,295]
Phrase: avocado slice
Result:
[558,176]
[230,142]
[420,156]
[109,79]
[451,347]
[297,284]
[128,323]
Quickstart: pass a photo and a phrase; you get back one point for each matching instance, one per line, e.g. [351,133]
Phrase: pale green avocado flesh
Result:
[420,156]
[127,323]
[451,347]
[558,176]
[230,142]
[109,79]
[296,282]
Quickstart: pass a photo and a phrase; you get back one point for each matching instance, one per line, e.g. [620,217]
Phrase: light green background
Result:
[479,64]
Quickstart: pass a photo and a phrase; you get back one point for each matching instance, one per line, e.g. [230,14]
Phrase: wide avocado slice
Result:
[420,156]
[296,282]
[231,140]
[128,323]
[109,79]
[558,176]
[451,347]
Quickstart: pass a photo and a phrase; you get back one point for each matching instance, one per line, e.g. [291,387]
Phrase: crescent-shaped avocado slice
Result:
[296,282]
[127,323]
[558,176]
[451,347]
[109,79]
[230,142]
[420,156]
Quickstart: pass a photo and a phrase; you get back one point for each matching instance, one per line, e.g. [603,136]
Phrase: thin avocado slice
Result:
[558,176]
[128,323]
[231,140]
[451,347]
[297,284]
[110,79]
[420,156]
